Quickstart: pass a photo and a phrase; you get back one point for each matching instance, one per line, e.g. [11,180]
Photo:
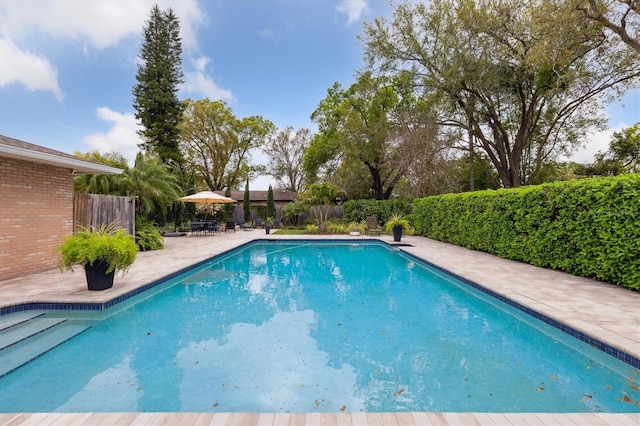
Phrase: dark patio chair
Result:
[197,228]
[212,227]
[372,226]
[230,226]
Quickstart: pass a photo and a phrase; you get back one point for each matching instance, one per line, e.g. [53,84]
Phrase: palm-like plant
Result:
[151,182]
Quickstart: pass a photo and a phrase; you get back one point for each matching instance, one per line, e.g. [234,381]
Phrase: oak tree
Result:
[217,144]
[525,88]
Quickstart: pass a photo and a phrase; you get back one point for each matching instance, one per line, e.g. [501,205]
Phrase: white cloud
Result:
[101,24]
[267,34]
[353,9]
[121,138]
[35,72]
[199,82]
[96,24]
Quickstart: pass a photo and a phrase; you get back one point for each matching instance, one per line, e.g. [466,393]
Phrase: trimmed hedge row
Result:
[588,227]
[358,210]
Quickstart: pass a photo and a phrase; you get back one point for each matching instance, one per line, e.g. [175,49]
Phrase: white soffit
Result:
[77,165]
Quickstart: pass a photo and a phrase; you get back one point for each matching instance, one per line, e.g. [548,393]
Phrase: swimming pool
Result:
[289,327]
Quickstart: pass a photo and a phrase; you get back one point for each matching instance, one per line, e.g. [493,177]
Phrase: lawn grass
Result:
[287,231]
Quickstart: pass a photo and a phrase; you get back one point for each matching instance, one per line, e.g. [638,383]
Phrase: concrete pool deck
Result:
[605,312]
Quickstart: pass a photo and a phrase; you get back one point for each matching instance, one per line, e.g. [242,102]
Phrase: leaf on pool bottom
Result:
[196,363]
[216,404]
[541,388]
[587,395]
[398,393]
[552,377]
[344,407]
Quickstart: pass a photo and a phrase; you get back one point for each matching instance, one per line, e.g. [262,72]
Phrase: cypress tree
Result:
[246,204]
[228,209]
[155,93]
[271,205]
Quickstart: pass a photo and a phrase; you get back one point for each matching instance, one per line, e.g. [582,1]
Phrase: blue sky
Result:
[67,67]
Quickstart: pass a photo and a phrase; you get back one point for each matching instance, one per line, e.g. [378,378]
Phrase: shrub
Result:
[148,236]
[336,228]
[587,228]
[358,210]
[311,229]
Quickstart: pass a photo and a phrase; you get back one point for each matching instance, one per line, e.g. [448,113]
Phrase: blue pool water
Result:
[304,327]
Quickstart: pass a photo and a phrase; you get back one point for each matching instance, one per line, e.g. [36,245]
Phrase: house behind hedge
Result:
[36,204]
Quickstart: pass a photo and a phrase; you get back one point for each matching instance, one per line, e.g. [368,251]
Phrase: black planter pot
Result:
[267,229]
[397,233]
[97,277]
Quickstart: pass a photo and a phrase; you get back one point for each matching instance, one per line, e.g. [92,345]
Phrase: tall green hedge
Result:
[589,227]
[358,210]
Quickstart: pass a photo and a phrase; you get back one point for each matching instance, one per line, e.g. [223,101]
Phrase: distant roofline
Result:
[52,157]
[279,195]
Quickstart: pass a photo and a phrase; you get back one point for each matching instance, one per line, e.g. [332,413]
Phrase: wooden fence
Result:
[238,215]
[96,210]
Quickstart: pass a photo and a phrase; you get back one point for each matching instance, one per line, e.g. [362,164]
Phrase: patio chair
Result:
[372,226]
[230,226]
[197,228]
[212,227]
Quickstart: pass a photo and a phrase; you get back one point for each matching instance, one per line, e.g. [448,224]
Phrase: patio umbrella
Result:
[207,197]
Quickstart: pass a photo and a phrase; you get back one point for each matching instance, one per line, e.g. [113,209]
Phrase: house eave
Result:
[77,165]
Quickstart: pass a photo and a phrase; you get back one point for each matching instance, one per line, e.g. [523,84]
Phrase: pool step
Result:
[27,339]
[8,321]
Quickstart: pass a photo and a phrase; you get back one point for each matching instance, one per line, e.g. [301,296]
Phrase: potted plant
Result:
[101,251]
[396,224]
[268,223]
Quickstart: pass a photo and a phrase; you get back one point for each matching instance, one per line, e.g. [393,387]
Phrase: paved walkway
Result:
[605,312]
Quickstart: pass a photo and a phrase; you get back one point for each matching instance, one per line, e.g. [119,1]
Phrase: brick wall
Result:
[36,211]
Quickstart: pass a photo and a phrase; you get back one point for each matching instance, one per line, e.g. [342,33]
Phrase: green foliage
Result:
[358,210]
[246,204]
[217,144]
[292,212]
[623,155]
[107,243]
[285,151]
[152,183]
[311,229]
[158,77]
[228,209]
[271,205]
[148,236]
[336,228]
[322,197]
[587,227]
[527,103]
[365,125]
[357,227]
[397,220]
